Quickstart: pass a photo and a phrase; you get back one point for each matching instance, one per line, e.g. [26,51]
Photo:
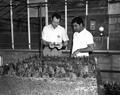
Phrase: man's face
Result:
[77,27]
[55,22]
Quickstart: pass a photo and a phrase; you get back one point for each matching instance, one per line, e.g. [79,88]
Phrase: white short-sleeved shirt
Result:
[81,40]
[56,35]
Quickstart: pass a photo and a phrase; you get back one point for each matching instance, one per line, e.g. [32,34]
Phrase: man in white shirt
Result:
[54,37]
[82,39]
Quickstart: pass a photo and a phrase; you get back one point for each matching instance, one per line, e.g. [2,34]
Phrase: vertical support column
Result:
[66,15]
[40,16]
[108,42]
[11,19]
[86,13]
[28,18]
[1,61]
[46,12]
[108,30]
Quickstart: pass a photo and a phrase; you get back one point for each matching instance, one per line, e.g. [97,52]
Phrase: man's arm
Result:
[65,38]
[87,49]
[45,36]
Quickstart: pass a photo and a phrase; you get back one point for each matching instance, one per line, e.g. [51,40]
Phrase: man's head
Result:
[55,19]
[78,24]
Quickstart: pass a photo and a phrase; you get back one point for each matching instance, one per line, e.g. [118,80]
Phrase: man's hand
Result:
[65,43]
[75,53]
[55,45]
[51,45]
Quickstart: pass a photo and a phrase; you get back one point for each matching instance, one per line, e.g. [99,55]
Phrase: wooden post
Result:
[66,15]
[86,13]
[46,12]
[11,18]
[28,18]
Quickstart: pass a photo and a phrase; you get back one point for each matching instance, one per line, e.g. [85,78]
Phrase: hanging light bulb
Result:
[101,28]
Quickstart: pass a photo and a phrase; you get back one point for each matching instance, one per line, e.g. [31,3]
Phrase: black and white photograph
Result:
[59,47]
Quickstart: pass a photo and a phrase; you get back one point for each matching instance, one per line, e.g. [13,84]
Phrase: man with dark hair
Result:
[54,37]
[56,15]
[82,39]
